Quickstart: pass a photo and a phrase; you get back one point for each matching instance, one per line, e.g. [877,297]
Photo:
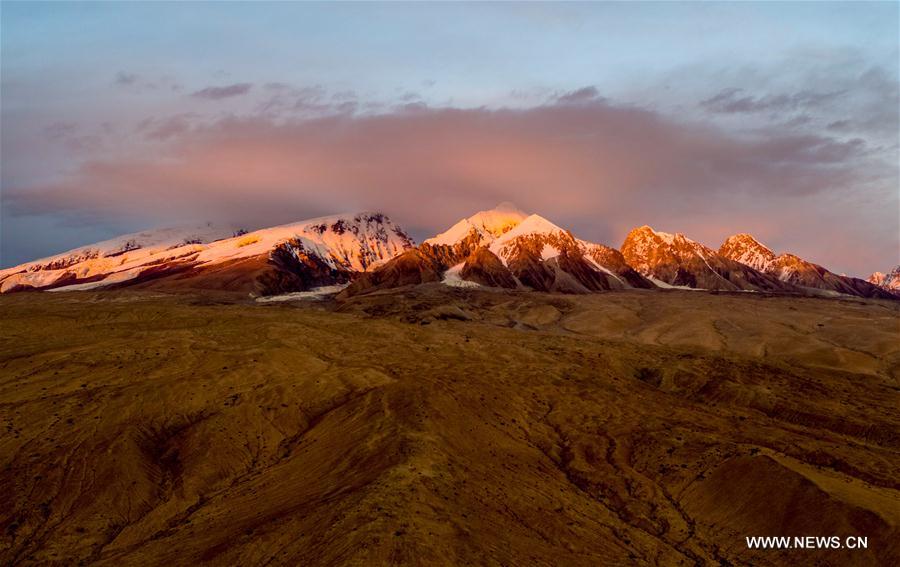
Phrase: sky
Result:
[778,119]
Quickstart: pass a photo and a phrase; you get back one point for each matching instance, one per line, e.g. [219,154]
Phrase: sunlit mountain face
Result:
[502,248]
[776,120]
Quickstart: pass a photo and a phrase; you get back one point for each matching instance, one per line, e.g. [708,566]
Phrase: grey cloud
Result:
[60,130]
[284,100]
[733,100]
[344,95]
[582,95]
[134,82]
[227,91]
[124,79]
[276,86]
[73,137]
[161,129]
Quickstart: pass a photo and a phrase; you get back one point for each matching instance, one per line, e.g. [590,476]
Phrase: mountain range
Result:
[365,252]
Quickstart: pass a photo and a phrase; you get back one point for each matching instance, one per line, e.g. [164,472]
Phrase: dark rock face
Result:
[485,268]
[304,269]
[564,274]
[409,268]
[289,267]
[450,255]
[612,259]
[576,266]
[862,288]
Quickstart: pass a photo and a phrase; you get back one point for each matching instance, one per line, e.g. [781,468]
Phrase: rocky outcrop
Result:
[484,268]
[409,268]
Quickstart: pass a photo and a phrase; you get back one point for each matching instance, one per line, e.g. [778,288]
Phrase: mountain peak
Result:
[747,250]
[646,232]
[488,225]
[532,224]
[645,229]
[743,238]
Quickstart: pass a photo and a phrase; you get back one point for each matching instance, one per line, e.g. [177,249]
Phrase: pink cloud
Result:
[599,167]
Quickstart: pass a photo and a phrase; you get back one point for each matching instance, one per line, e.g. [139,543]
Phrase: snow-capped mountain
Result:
[792,269]
[889,281]
[290,257]
[675,260]
[504,247]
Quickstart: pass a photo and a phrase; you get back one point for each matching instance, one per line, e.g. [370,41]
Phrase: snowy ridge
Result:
[350,242]
[144,243]
[119,258]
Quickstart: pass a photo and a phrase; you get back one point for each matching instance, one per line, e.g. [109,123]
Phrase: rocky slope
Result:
[293,257]
[675,260]
[794,270]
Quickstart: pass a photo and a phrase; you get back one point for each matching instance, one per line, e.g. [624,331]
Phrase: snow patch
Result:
[453,279]
[548,252]
[666,285]
[314,294]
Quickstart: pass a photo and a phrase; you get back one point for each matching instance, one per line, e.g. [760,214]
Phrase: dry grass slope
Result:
[446,427]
